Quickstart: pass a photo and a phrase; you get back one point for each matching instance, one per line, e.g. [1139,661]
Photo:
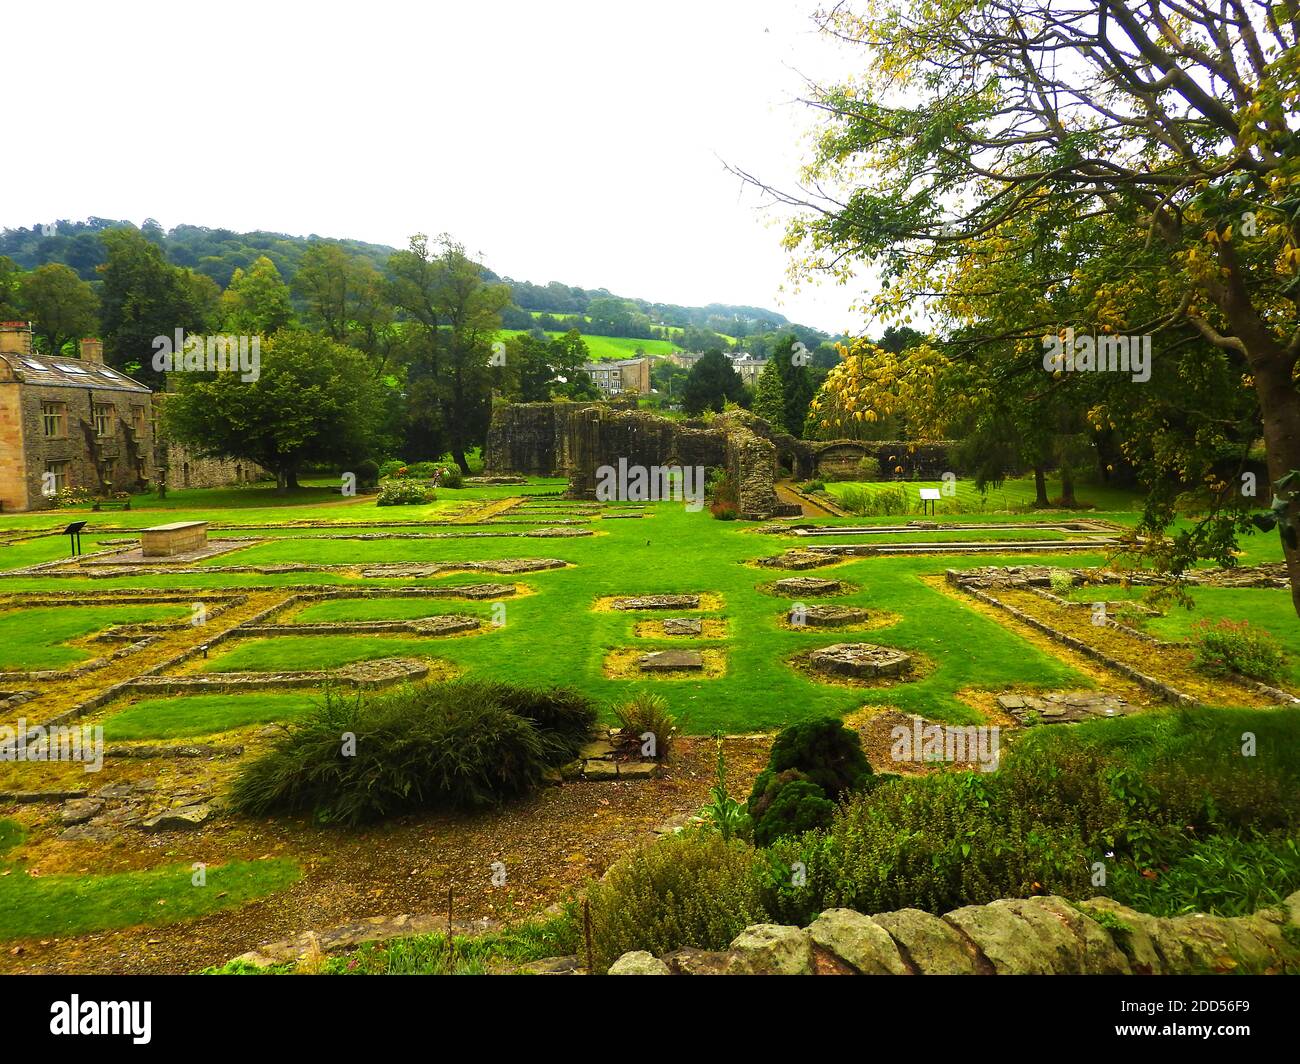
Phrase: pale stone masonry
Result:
[1032,936]
[68,422]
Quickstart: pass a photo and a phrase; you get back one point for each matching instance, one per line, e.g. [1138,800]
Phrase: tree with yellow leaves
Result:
[1038,168]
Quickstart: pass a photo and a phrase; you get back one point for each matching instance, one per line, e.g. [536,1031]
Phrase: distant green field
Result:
[606,347]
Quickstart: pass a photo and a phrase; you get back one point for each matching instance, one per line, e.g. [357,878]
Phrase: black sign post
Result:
[73,532]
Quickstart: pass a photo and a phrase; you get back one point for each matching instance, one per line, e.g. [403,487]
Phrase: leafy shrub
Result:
[934,843]
[691,889]
[790,805]
[450,476]
[74,497]
[391,467]
[404,493]
[824,751]
[868,468]
[454,744]
[874,502]
[724,503]
[1228,875]
[367,475]
[1062,581]
[648,712]
[1226,646]
[813,485]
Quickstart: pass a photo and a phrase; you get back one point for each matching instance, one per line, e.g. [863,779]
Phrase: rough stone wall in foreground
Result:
[1033,936]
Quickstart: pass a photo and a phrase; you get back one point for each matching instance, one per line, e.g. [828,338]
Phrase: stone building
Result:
[182,468]
[68,423]
[621,376]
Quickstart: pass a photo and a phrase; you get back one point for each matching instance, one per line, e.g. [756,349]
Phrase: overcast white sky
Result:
[570,141]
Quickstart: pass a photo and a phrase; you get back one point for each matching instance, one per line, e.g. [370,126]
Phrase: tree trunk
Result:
[1067,488]
[458,453]
[281,482]
[1041,501]
[1279,403]
[291,479]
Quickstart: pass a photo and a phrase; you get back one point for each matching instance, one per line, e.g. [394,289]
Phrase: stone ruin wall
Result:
[576,439]
[920,461]
[573,440]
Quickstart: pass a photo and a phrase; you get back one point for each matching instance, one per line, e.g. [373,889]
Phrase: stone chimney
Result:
[15,337]
[92,351]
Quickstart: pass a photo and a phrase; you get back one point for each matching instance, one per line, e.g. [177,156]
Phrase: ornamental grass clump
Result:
[455,744]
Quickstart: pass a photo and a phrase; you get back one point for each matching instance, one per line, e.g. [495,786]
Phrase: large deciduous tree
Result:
[143,297]
[61,306]
[257,300]
[314,400]
[1136,163]
[452,316]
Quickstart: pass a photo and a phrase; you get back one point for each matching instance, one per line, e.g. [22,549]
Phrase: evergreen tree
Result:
[769,396]
[712,382]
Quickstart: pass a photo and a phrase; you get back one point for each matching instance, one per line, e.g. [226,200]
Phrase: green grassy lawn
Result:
[260,504]
[185,716]
[1012,494]
[35,638]
[554,636]
[27,552]
[1263,607]
[291,653]
[369,551]
[381,609]
[972,535]
[77,904]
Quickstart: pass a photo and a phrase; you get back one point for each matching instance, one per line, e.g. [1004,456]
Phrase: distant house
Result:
[741,361]
[747,366]
[627,375]
[68,422]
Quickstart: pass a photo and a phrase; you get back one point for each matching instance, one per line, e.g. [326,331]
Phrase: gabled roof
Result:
[67,373]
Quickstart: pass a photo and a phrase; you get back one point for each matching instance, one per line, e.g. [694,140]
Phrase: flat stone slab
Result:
[658,602]
[79,810]
[861,660]
[808,585]
[445,625]
[183,819]
[827,616]
[683,626]
[798,559]
[1065,707]
[667,660]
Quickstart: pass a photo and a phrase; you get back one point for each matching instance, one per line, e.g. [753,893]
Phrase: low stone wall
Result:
[1034,936]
